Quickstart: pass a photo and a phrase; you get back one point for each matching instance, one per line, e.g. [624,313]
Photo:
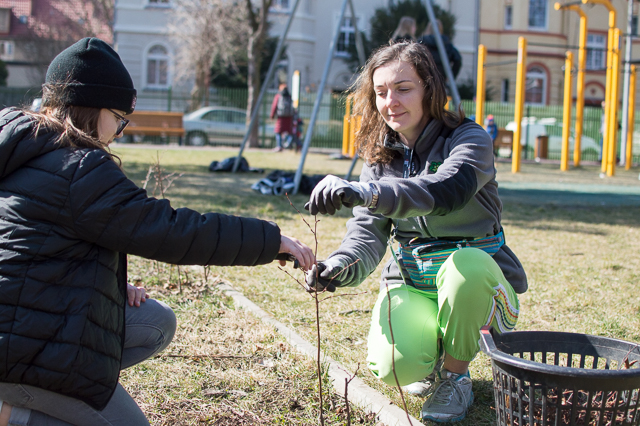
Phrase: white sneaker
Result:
[451,398]
[423,387]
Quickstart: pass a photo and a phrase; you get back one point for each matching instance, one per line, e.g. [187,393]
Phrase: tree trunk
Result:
[200,91]
[253,83]
[258,25]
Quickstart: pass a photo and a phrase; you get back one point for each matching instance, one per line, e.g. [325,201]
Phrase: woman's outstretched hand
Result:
[299,250]
[332,192]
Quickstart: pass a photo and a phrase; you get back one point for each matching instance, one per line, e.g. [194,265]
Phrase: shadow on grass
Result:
[568,217]
[568,198]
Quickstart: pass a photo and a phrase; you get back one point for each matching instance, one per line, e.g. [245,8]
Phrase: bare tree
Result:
[257,18]
[202,30]
[205,29]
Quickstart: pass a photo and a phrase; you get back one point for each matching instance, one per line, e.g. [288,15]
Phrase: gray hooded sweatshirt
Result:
[451,193]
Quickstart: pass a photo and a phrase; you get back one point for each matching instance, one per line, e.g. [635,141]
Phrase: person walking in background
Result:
[453,56]
[492,129]
[296,132]
[70,321]
[406,30]
[429,184]
[282,110]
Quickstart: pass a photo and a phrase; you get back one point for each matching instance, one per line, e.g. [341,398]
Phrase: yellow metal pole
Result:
[632,113]
[346,127]
[607,104]
[480,84]
[520,92]
[566,116]
[356,122]
[607,107]
[582,67]
[612,128]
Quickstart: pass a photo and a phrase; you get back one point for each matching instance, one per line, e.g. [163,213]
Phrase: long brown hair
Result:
[77,126]
[370,137]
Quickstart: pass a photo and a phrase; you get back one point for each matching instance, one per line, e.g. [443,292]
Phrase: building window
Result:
[536,86]
[504,96]
[538,14]
[158,67]
[347,37]
[508,17]
[280,4]
[159,3]
[596,52]
[6,50]
[634,25]
[5,20]
[281,74]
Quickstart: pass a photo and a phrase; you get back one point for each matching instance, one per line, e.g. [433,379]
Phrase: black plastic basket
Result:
[553,378]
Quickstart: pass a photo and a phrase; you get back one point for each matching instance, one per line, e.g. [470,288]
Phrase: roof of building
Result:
[57,19]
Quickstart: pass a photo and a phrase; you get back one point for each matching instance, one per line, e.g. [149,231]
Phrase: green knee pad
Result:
[415,333]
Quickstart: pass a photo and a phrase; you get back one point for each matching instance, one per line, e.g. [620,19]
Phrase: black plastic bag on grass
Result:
[226,165]
[280,182]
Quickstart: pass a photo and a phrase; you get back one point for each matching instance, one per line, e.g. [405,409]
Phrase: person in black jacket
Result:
[453,56]
[69,321]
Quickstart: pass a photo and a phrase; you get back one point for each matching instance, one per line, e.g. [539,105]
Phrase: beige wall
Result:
[562,29]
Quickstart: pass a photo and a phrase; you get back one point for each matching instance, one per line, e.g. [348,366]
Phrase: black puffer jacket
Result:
[67,216]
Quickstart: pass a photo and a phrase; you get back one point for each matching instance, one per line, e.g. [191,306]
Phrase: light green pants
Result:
[472,292]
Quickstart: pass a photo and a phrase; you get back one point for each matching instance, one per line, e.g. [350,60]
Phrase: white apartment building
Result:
[140,37]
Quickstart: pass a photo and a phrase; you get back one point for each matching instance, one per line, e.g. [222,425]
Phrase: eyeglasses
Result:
[123,121]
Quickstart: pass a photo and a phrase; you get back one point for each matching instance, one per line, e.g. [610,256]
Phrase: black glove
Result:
[331,193]
[322,278]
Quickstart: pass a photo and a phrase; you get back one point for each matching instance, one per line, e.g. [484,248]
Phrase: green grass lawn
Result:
[582,260]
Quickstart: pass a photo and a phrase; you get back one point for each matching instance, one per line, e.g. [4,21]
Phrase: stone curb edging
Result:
[360,393]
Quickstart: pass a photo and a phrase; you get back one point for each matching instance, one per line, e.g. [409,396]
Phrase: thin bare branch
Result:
[346,390]
[393,356]
[292,277]
[198,356]
[302,217]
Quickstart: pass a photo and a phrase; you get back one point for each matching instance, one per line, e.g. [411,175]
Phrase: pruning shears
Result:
[289,258]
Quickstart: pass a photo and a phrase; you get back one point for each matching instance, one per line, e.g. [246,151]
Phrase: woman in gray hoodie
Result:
[429,185]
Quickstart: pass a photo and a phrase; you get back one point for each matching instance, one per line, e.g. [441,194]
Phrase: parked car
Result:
[217,125]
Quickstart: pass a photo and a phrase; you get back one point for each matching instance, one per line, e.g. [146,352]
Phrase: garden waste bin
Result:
[554,378]
[541,150]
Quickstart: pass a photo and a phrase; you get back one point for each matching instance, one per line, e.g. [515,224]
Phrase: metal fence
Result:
[547,121]
[543,120]
[327,134]
[18,96]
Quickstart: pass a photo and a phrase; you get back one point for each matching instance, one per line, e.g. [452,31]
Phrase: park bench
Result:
[155,123]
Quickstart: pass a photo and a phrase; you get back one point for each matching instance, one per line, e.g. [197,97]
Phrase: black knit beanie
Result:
[95,76]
